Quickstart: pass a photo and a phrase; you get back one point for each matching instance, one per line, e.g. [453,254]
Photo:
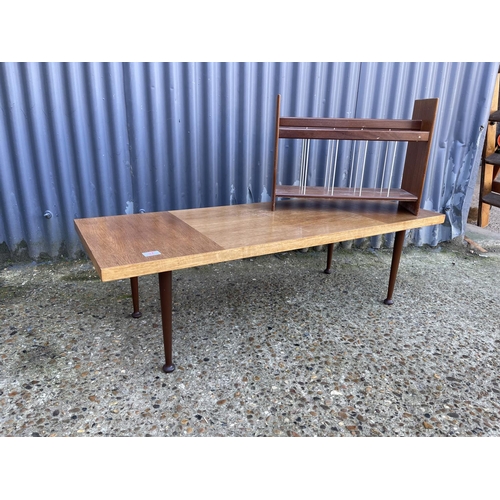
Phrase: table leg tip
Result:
[168,368]
[136,314]
[327,271]
[388,302]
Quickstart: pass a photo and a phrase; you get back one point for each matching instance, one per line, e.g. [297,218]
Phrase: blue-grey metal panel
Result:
[92,139]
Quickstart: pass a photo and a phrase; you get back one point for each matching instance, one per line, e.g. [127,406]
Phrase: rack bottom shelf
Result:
[492,199]
[344,193]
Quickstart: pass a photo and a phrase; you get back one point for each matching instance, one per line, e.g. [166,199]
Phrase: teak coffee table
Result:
[129,246]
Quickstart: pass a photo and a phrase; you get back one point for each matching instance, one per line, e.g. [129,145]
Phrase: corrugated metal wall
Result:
[93,139]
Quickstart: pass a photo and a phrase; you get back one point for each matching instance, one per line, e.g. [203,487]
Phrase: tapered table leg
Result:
[328,269]
[396,256]
[165,281]
[134,285]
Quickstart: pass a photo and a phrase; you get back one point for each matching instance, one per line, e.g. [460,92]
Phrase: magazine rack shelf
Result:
[416,132]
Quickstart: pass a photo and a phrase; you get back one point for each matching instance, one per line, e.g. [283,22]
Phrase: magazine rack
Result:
[417,133]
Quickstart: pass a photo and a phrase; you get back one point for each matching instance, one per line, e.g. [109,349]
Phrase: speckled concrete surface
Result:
[269,346]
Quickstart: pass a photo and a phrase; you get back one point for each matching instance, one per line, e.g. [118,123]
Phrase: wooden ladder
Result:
[489,191]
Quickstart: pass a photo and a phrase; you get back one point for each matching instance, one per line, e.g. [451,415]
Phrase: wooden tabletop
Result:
[124,246]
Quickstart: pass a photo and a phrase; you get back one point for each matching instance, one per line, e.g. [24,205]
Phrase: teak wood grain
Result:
[194,237]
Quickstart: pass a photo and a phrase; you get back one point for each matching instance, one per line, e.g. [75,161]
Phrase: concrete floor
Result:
[269,346]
